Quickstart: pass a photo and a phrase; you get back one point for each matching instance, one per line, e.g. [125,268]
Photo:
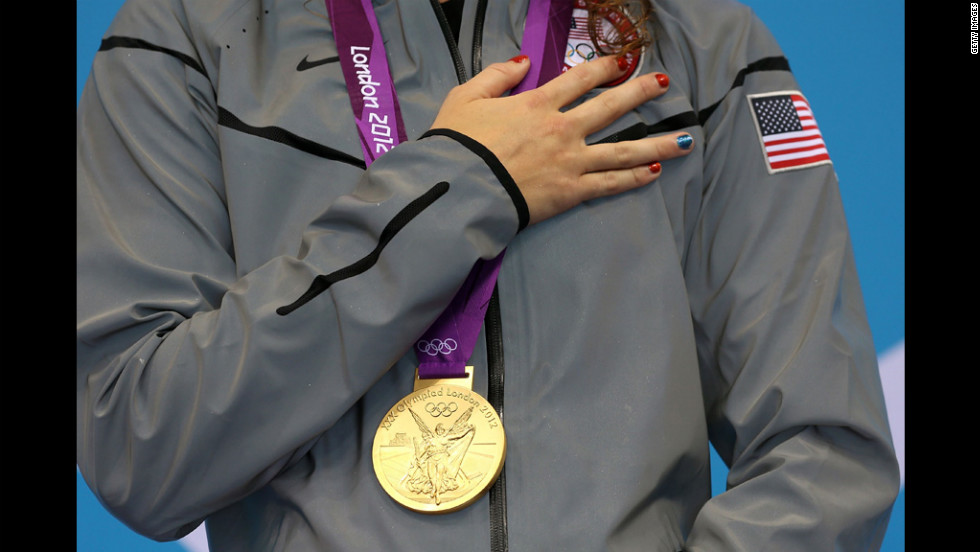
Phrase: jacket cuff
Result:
[498,169]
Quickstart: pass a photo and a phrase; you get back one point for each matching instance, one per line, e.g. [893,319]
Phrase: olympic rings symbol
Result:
[441,409]
[580,53]
[437,346]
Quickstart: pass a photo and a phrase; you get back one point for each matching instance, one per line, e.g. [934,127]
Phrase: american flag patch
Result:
[787,131]
[579,29]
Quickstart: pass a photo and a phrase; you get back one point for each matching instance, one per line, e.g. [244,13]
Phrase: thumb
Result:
[498,78]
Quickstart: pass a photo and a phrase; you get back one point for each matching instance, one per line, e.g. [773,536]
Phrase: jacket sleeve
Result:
[194,387]
[792,393]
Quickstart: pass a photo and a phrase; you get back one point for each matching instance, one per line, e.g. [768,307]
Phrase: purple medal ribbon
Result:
[448,344]
[545,40]
[369,83]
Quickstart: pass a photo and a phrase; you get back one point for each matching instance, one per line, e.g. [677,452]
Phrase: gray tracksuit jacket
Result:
[220,177]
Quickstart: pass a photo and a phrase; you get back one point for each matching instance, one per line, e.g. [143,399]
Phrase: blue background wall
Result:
[848,56]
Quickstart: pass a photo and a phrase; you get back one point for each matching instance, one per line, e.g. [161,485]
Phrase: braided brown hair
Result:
[633,37]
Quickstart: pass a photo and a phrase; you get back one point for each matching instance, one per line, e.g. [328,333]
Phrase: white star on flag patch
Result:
[787,131]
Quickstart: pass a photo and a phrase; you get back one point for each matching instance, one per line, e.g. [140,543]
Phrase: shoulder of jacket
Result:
[704,15]
[190,18]
[188,30]
[714,40]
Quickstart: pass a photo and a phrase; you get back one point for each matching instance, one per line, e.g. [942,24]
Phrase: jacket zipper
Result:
[477,58]
[453,47]
[491,321]
[495,396]
[495,348]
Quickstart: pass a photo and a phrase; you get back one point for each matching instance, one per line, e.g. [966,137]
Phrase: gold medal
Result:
[441,447]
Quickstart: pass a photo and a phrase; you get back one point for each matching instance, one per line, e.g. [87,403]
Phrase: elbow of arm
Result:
[137,506]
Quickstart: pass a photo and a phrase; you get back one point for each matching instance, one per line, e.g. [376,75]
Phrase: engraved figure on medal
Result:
[443,456]
[438,456]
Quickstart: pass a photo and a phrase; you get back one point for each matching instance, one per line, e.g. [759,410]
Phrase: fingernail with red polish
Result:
[519,59]
[663,80]
[654,167]
[622,62]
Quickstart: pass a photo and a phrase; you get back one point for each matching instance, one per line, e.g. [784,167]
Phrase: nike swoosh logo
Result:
[305,64]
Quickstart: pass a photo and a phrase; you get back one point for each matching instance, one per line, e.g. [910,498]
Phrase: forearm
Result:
[196,384]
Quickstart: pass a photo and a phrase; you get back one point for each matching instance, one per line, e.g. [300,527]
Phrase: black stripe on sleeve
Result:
[322,282]
[635,132]
[283,136]
[776,63]
[674,122]
[128,42]
[642,130]
[690,118]
[498,169]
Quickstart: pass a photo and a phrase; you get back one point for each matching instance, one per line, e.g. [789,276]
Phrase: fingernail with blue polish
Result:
[685,142]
